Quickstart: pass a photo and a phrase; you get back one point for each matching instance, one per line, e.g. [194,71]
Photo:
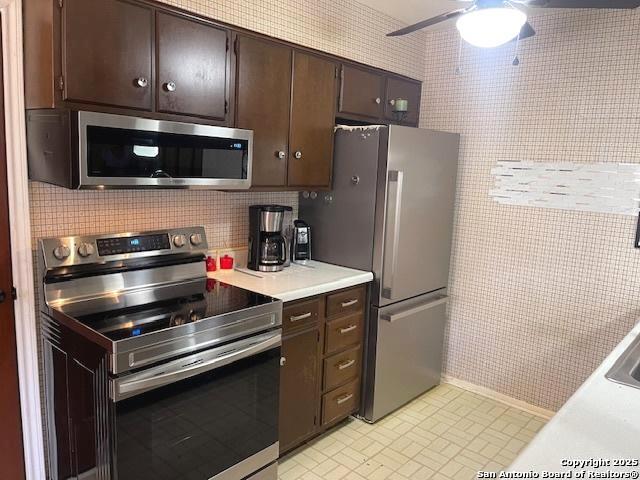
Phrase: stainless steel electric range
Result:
[151,370]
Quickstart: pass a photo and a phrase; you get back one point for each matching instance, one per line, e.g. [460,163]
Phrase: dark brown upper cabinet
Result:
[287,98]
[411,91]
[193,67]
[127,56]
[107,53]
[263,96]
[361,92]
[312,121]
[369,96]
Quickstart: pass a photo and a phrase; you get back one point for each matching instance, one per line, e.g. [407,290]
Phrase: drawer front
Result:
[342,367]
[298,315]
[341,402]
[343,332]
[345,302]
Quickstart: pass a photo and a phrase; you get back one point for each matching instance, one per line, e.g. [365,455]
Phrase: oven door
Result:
[122,151]
[211,415]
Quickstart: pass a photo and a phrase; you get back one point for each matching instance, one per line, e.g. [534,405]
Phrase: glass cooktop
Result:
[207,299]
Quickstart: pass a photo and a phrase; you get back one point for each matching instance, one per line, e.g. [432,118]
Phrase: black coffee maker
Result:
[267,244]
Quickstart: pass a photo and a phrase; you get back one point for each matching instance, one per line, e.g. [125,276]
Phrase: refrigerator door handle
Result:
[392,317]
[394,204]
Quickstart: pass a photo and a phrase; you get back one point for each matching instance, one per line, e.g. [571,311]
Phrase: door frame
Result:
[22,259]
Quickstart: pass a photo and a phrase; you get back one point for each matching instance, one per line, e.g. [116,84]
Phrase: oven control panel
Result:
[83,250]
[139,243]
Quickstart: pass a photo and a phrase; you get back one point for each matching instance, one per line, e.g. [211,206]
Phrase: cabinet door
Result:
[407,90]
[107,53]
[312,121]
[192,67]
[263,98]
[361,92]
[299,388]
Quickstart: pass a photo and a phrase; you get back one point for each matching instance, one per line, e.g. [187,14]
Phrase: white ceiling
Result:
[412,11]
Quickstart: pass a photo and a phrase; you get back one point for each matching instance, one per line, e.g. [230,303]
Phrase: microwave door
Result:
[127,152]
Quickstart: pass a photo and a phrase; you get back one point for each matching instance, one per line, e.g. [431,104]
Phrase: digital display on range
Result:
[122,245]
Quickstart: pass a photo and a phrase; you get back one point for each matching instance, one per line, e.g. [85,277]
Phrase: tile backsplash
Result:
[342,27]
[539,296]
[225,215]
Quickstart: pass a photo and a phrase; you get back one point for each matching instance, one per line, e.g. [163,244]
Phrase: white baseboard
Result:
[499,397]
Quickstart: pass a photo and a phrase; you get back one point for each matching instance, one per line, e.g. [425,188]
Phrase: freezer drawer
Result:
[404,353]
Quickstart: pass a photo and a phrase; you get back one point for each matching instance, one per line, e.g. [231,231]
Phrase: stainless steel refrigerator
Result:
[391,212]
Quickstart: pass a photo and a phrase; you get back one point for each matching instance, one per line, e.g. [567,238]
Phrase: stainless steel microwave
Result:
[78,149]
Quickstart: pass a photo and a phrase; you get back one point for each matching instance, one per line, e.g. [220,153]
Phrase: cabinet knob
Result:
[170,86]
[298,154]
[280,154]
[378,100]
[392,102]
[283,360]
[141,82]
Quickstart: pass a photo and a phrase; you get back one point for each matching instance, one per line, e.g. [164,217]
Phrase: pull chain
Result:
[459,66]
[516,60]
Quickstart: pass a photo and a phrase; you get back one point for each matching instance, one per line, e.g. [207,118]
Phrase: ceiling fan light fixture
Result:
[491,27]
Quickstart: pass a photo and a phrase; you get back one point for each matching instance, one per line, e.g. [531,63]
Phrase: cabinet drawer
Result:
[341,368]
[345,302]
[343,332]
[341,402]
[299,315]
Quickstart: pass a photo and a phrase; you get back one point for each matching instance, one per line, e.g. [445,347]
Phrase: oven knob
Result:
[179,241]
[61,252]
[85,250]
[196,239]
[194,317]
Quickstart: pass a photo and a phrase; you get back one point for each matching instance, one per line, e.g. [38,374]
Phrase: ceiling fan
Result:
[490,23]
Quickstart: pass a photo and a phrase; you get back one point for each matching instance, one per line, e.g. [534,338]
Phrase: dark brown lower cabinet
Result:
[321,364]
[299,388]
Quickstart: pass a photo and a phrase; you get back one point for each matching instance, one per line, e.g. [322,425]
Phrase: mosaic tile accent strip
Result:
[539,297]
[446,434]
[601,187]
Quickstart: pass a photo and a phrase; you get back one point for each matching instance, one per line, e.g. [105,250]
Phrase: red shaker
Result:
[211,264]
[226,262]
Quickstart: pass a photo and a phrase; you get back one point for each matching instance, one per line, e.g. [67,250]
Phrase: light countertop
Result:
[294,282]
[600,421]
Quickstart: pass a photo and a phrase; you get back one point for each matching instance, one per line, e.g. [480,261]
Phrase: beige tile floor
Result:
[446,434]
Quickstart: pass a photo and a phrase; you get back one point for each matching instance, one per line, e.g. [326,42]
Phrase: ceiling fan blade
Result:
[618,4]
[427,23]
[527,31]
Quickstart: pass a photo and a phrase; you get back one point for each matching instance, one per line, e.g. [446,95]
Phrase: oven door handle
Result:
[156,377]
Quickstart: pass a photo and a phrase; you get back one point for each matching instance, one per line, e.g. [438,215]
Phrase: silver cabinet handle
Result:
[170,86]
[344,398]
[348,329]
[280,154]
[298,154]
[378,100]
[392,102]
[393,317]
[296,318]
[283,360]
[349,303]
[142,82]
[394,204]
[347,364]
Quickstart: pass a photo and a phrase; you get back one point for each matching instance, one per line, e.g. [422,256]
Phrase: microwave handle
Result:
[191,366]
[160,174]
